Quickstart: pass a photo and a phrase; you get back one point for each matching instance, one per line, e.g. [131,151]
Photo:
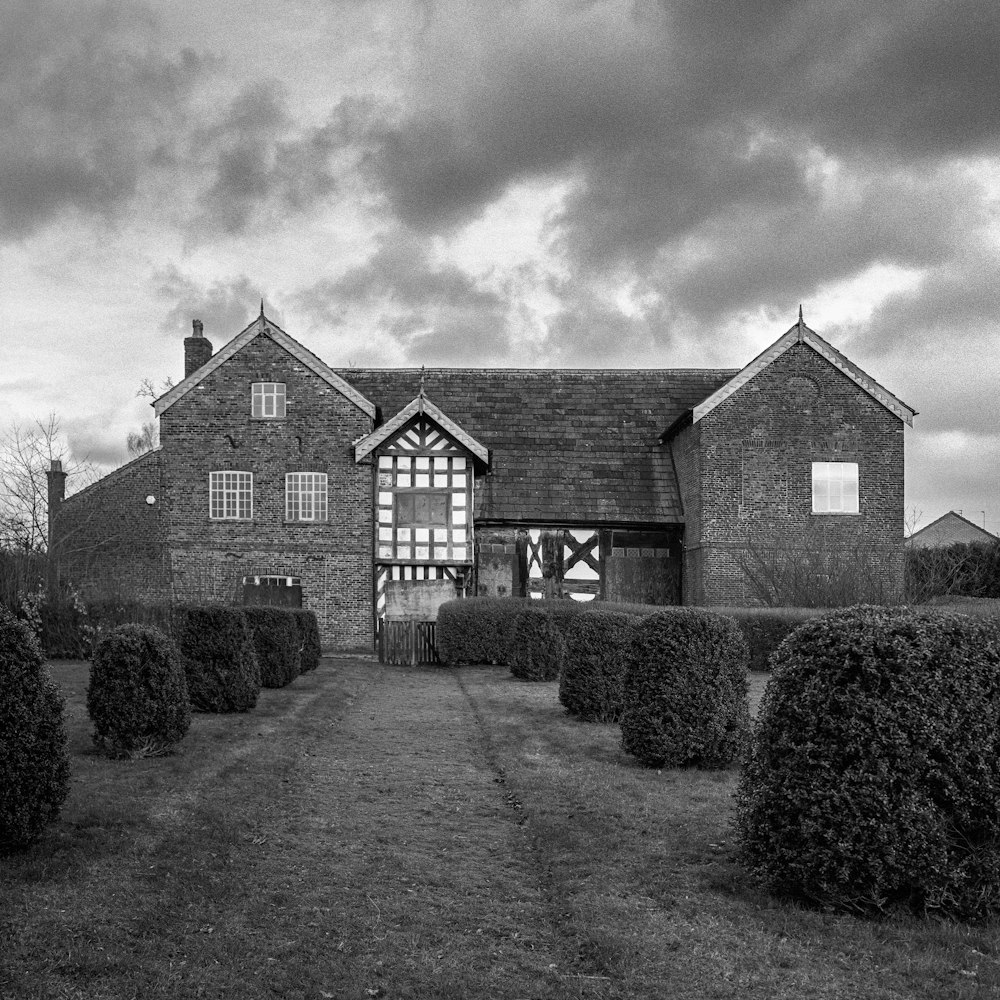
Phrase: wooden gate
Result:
[409,643]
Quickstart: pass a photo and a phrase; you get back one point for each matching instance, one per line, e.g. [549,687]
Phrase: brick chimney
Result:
[56,493]
[197,349]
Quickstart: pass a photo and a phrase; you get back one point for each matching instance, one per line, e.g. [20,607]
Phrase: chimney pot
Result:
[197,328]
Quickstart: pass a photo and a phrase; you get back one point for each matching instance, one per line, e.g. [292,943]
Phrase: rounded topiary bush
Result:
[685,690]
[277,644]
[592,682]
[874,773]
[137,697]
[220,663]
[536,647]
[34,759]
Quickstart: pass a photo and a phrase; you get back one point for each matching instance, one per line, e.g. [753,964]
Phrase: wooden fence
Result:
[407,642]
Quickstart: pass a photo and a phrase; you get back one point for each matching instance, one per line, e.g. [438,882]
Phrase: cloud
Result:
[260,166]
[88,103]
[434,313]
[728,159]
[224,307]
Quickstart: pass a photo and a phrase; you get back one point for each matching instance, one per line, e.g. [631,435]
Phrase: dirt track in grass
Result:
[378,831]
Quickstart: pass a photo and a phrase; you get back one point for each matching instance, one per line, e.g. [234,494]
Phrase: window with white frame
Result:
[267,399]
[230,496]
[835,487]
[305,496]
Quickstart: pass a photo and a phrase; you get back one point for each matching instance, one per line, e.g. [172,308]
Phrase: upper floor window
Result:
[421,508]
[268,399]
[835,487]
[230,496]
[305,496]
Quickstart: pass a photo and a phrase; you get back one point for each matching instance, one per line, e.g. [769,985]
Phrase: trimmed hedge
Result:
[537,649]
[685,690]
[277,643]
[137,697]
[874,776]
[310,650]
[592,682]
[476,629]
[34,759]
[765,628]
[218,656]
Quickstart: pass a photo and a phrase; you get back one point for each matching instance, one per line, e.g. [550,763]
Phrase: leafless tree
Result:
[26,454]
[817,570]
[146,439]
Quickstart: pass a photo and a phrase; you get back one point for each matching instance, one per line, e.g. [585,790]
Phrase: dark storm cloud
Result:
[88,103]
[437,313]
[257,162]
[224,307]
[694,136]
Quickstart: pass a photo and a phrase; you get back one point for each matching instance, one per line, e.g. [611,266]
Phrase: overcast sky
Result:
[507,183]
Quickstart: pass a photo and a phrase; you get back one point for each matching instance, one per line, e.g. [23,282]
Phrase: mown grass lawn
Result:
[385,832]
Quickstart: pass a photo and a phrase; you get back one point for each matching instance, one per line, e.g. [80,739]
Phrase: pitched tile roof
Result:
[567,446]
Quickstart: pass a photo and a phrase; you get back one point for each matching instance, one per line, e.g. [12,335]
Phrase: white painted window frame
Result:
[835,488]
[230,495]
[268,400]
[306,497]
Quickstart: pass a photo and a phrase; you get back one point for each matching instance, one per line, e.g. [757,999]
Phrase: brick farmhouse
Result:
[374,493]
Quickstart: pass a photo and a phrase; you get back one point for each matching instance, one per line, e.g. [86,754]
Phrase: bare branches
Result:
[26,455]
[819,571]
[146,439]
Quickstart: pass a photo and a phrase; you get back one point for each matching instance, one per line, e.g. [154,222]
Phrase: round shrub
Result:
[685,690]
[592,682]
[34,758]
[277,644]
[874,774]
[137,697]
[218,656]
[536,649]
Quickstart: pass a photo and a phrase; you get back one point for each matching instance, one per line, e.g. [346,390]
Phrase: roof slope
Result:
[567,446]
[949,529]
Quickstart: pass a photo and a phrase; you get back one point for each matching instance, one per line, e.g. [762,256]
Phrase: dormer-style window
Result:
[268,400]
[835,487]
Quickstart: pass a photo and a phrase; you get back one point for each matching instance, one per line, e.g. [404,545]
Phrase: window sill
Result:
[268,420]
[836,513]
[287,523]
[230,520]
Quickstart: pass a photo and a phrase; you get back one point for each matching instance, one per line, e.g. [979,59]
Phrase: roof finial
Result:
[421,395]
[802,325]
[262,307]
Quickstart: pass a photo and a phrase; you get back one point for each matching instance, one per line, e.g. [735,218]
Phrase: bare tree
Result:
[26,455]
[146,439]
[820,570]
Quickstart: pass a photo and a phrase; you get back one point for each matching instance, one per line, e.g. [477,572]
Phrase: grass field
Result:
[378,831]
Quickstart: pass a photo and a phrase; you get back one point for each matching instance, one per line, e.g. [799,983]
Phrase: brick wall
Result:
[211,429]
[754,465]
[108,540]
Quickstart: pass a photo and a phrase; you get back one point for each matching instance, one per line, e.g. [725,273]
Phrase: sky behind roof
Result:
[506,183]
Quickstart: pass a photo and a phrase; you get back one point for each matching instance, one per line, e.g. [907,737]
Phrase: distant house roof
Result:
[262,327]
[949,529]
[574,446]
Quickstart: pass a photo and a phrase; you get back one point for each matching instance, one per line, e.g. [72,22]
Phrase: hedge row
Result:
[478,629]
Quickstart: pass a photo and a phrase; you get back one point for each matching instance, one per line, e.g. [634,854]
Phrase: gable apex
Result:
[264,327]
[421,405]
[801,334]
